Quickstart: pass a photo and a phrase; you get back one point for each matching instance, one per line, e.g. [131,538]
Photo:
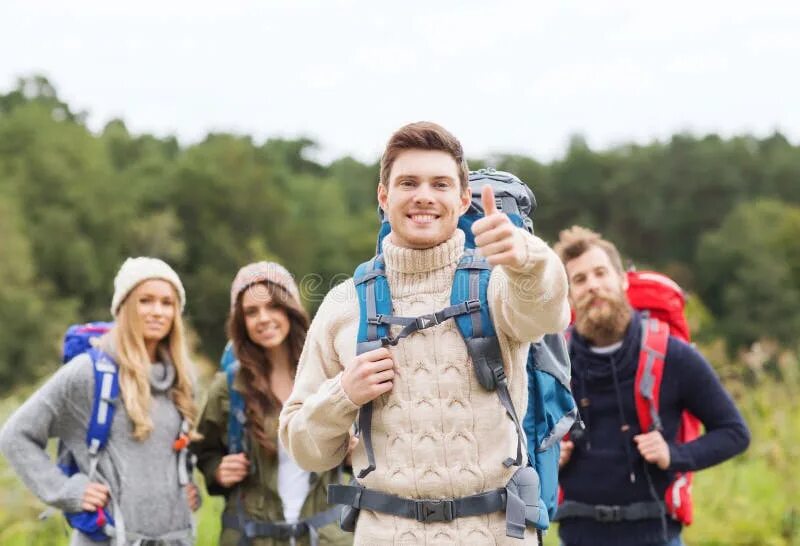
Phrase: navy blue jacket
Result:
[599,471]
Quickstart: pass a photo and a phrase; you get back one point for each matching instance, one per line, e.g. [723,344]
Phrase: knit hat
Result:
[137,270]
[263,272]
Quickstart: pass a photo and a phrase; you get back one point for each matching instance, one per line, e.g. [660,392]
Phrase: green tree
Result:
[81,202]
[33,319]
[749,273]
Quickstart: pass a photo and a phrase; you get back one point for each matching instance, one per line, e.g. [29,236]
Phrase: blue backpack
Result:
[551,409]
[236,416]
[78,340]
[551,412]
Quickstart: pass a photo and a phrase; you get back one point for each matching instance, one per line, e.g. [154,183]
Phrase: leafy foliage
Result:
[719,215]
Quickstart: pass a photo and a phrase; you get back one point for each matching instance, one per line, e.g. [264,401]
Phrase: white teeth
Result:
[423,217]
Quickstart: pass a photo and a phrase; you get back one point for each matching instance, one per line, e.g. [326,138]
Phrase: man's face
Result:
[424,199]
[596,291]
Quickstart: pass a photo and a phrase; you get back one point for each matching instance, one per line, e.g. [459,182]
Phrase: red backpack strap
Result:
[655,335]
[647,387]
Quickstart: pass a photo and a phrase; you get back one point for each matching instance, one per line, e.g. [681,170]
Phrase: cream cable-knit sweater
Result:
[438,433]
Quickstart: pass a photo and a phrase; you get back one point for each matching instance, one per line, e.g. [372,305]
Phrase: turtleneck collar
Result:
[414,261]
[162,373]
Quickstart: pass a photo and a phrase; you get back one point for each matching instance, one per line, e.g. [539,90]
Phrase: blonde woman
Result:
[136,483]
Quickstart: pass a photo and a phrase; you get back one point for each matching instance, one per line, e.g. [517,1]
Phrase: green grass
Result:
[753,500]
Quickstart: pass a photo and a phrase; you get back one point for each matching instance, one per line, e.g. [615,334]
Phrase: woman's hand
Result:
[232,469]
[192,496]
[95,496]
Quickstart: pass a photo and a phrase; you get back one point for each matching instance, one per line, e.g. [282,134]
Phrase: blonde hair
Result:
[129,348]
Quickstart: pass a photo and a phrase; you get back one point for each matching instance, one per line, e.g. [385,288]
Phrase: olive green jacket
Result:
[258,493]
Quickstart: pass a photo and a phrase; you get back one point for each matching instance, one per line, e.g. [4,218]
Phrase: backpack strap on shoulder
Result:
[375,303]
[236,416]
[97,525]
[655,335]
[106,395]
[228,357]
[374,294]
[470,287]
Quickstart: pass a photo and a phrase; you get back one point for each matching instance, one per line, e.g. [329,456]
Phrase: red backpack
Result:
[663,302]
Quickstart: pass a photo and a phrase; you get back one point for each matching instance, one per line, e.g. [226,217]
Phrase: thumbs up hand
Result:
[496,237]
[488,201]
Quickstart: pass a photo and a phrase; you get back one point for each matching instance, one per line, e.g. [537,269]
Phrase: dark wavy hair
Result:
[255,366]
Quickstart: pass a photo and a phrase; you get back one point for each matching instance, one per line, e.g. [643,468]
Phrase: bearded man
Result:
[613,474]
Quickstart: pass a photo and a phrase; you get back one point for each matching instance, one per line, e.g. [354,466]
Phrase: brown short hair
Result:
[423,135]
[573,242]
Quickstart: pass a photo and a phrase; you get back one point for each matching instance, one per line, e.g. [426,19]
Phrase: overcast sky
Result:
[503,76]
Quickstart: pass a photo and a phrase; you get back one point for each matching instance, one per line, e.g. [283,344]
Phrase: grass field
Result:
[753,500]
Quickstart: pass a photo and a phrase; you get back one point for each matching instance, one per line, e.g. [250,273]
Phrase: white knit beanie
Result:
[137,270]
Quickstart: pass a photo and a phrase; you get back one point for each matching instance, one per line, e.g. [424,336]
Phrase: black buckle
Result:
[377,320]
[607,514]
[499,374]
[426,321]
[435,510]
[289,530]
[283,532]
[473,305]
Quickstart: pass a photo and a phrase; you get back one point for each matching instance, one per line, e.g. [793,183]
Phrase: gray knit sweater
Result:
[142,476]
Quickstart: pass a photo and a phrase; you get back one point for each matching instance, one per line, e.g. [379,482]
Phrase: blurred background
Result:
[212,136]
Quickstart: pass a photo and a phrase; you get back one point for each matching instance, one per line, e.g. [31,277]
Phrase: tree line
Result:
[722,216]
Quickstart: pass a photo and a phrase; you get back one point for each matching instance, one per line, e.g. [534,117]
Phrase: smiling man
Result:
[437,434]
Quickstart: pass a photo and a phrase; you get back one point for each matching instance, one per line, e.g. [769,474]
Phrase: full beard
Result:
[606,324]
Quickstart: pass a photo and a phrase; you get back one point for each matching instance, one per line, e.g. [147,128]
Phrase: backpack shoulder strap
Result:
[106,395]
[236,415]
[470,287]
[374,301]
[647,387]
[228,357]
[471,284]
